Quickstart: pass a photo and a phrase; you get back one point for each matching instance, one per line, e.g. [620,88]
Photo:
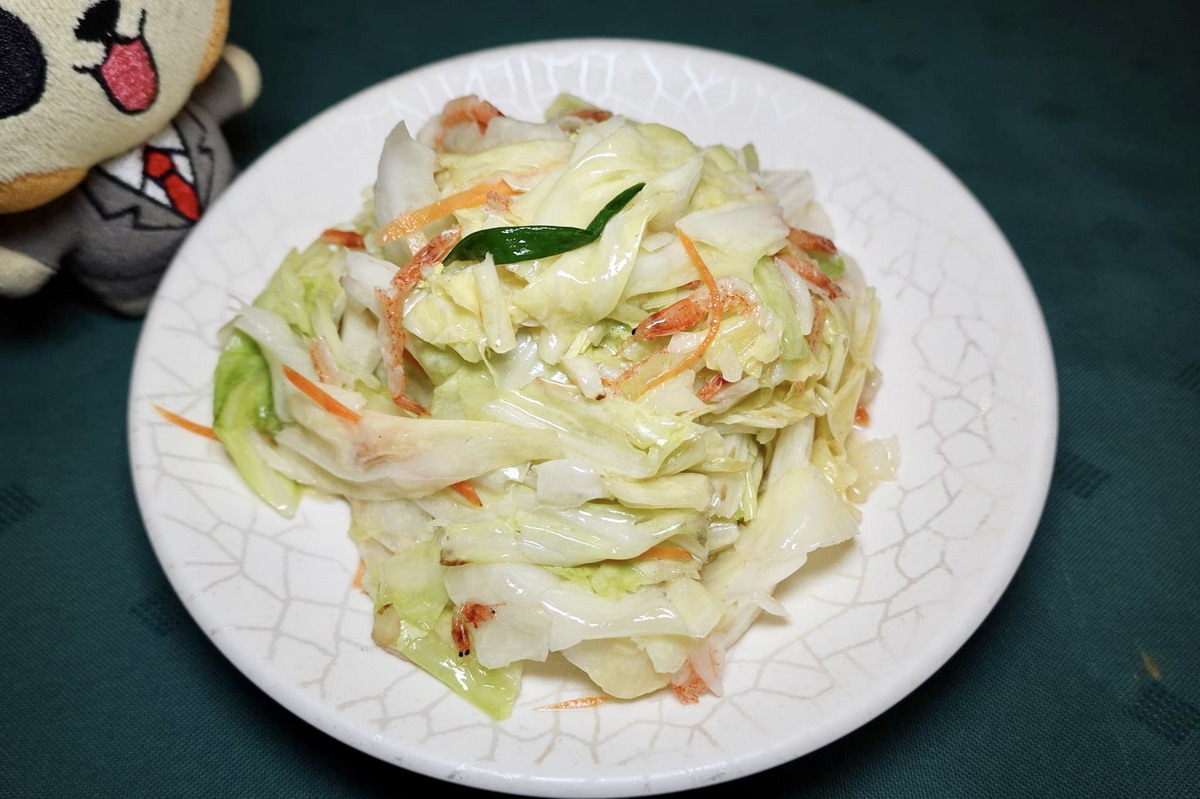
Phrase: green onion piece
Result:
[612,209]
[509,245]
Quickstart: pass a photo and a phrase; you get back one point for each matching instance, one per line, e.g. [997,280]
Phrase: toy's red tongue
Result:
[128,75]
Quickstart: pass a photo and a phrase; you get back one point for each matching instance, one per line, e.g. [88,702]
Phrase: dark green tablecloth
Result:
[1077,128]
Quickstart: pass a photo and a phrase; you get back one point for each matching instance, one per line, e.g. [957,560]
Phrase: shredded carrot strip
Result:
[349,239]
[358,575]
[186,424]
[666,553]
[313,392]
[714,314]
[467,491]
[404,224]
[572,704]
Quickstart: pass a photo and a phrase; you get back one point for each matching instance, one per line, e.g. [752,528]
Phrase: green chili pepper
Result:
[509,245]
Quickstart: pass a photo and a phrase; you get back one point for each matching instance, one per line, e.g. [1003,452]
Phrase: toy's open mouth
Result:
[128,75]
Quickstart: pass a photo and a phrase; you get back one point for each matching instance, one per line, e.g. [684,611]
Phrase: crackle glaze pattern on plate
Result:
[969,389]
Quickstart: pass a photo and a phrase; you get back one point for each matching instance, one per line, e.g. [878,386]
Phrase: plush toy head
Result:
[84,80]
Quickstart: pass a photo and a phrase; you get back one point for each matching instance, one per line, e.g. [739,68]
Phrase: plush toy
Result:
[109,141]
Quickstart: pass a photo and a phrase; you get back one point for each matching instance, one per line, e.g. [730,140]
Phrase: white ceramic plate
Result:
[969,389]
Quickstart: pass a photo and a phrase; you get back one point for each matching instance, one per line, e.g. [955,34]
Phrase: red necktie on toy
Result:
[161,169]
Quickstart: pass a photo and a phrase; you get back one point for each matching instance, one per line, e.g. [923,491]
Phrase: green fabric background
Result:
[1077,128]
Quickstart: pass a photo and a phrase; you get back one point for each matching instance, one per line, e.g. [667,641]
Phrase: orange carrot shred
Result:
[714,314]
[414,220]
[468,492]
[349,239]
[573,704]
[314,392]
[358,575]
[186,424]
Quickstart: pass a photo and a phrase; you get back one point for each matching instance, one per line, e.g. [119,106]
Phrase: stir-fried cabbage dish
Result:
[588,387]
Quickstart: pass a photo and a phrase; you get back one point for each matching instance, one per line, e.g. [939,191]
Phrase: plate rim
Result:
[870,704]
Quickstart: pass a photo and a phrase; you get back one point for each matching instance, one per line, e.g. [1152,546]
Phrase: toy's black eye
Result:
[22,66]
[99,22]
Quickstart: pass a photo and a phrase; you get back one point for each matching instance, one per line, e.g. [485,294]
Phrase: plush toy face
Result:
[84,80]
